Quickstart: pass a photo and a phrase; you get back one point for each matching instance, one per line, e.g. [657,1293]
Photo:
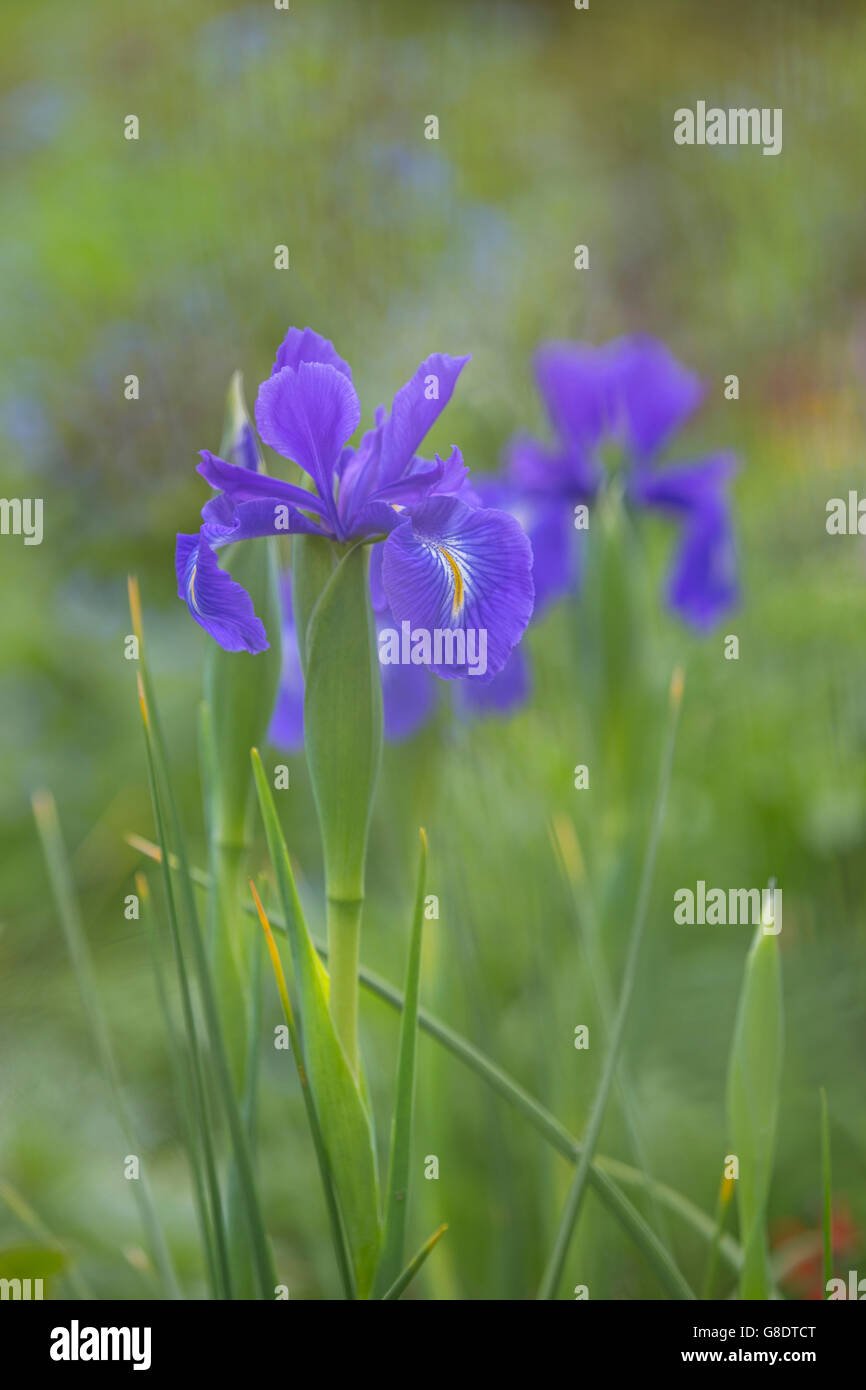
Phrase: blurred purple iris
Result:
[634,395]
[631,395]
[446,562]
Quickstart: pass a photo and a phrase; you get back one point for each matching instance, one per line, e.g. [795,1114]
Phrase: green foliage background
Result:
[261,127]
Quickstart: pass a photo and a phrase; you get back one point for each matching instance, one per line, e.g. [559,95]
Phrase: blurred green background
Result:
[156,257]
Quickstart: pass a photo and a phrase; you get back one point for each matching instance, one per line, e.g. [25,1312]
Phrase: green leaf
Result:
[331,1200]
[754,1073]
[342,1114]
[184,1088]
[343,738]
[31,1262]
[60,877]
[402,1282]
[313,562]
[343,722]
[574,1202]
[396,1200]
[606,1174]
[162,791]
[200,1120]
[46,1238]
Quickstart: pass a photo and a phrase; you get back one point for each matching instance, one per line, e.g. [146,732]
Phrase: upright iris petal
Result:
[576,384]
[654,394]
[416,407]
[307,415]
[306,346]
[451,566]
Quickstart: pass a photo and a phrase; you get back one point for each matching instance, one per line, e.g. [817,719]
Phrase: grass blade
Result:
[337,1233]
[48,825]
[726,1192]
[402,1282]
[754,1073]
[158,763]
[606,1174]
[396,1199]
[569,858]
[552,1274]
[340,1107]
[184,1092]
[34,1224]
[197,1075]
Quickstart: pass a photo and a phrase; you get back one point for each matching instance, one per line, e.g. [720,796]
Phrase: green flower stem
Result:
[344,940]
[343,738]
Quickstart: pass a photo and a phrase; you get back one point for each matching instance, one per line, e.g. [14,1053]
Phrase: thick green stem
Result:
[344,937]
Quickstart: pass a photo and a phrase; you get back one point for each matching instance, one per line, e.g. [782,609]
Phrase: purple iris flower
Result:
[447,563]
[630,393]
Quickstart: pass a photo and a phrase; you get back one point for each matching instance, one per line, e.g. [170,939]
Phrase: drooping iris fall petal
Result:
[702,585]
[219,605]
[451,566]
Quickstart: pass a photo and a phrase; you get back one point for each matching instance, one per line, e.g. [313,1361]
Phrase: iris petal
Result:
[576,384]
[225,521]
[682,487]
[245,485]
[416,408]
[503,695]
[655,393]
[702,585]
[287,723]
[219,605]
[451,566]
[306,346]
[307,415]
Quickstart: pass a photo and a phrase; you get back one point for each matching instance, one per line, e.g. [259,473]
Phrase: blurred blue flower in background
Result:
[631,394]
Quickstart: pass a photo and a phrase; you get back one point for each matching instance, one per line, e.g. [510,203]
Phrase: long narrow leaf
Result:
[396,1199]
[402,1282]
[65,898]
[723,1201]
[184,1091]
[754,1073]
[196,1070]
[606,1174]
[337,1233]
[343,1116]
[573,1205]
[161,783]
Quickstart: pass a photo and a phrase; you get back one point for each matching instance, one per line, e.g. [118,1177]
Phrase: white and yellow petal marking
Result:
[190,588]
[459,588]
